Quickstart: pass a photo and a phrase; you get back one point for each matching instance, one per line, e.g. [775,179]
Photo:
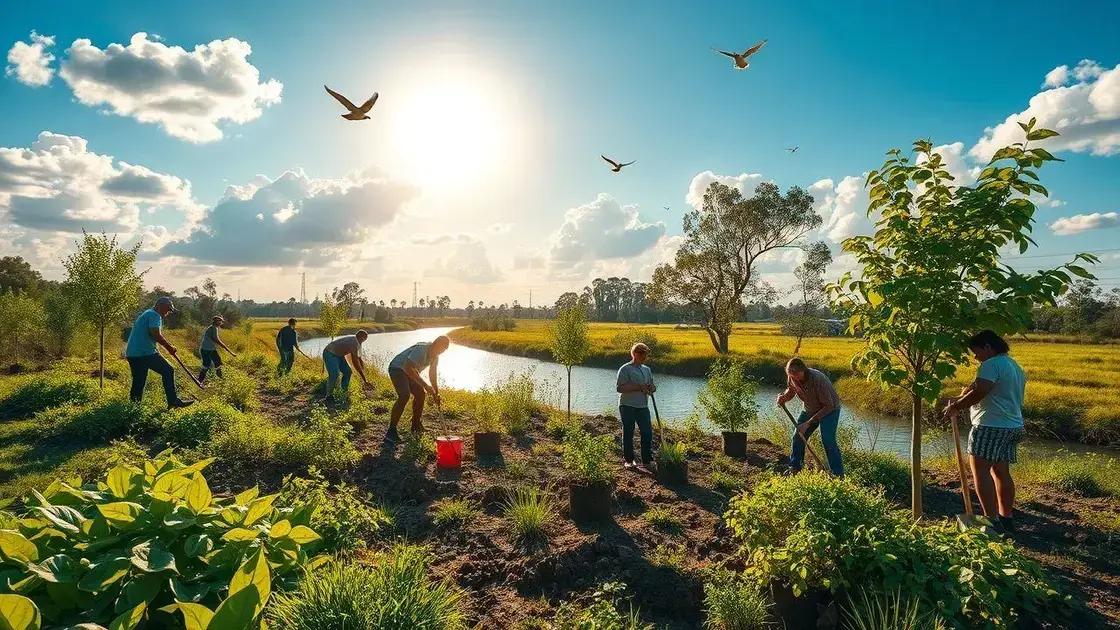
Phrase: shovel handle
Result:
[191,375]
[809,448]
[660,428]
[966,494]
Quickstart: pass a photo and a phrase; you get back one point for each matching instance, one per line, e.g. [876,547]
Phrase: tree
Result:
[805,319]
[106,285]
[332,315]
[568,340]
[21,318]
[346,297]
[931,273]
[63,317]
[16,275]
[714,267]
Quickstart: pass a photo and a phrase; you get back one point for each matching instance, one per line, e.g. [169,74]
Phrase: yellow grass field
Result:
[1072,388]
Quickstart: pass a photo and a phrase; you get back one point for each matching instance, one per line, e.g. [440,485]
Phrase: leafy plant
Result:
[107,419]
[558,425]
[148,542]
[395,592]
[40,394]
[664,519]
[669,557]
[568,341]
[604,611]
[588,457]
[515,402]
[931,274]
[529,510]
[726,483]
[454,513]
[21,319]
[733,603]
[197,424]
[878,470]
[418,448]
[729,396]
[872,610]
[343,515]
[487,412]
[672,454]
[235,388]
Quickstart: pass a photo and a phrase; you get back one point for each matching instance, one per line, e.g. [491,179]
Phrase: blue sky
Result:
[478,174]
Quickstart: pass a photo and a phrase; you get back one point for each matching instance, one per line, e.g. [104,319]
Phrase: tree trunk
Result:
[797,348]
[101,353]
[916,456]
[719,340]
[569,393]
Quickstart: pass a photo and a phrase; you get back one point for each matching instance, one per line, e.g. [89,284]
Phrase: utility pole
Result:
[414,294]
[303,287]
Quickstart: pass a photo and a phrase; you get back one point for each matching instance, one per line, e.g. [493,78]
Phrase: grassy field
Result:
[1070,389]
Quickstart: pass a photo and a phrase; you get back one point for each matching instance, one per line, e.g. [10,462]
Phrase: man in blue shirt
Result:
[142,354]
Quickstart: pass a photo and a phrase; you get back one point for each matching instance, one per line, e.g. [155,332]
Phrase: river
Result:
[593,391]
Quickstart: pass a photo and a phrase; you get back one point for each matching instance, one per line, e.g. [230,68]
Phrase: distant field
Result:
[1072,387]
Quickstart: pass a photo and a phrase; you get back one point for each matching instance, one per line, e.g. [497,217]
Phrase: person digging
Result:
[287,343]
[822,409]
[334,358]
[404,372]
[208,349]
[143,355]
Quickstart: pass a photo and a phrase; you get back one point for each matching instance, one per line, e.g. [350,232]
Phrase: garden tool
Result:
[660,427]
[968,519]
[809,448]
[189,373]
[302,352]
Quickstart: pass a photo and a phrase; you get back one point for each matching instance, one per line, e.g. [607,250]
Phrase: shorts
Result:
[995,444]
[210,358]
[404,386]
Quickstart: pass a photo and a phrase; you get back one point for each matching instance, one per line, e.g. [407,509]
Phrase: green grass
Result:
[1087,475]
[454,512]
[664,520]
[529,510]
[1069,388]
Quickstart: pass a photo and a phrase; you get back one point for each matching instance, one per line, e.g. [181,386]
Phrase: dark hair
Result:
[361,331]
[796,365]
[989,339]
[292,321]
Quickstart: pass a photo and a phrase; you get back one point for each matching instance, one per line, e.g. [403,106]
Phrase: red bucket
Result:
[449,451]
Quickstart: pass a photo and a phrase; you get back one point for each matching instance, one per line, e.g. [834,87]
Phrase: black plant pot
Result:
[672,474]
[735,444]
[590,502]
[487,444]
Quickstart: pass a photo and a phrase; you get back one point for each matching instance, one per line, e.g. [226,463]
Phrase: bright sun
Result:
[448,129]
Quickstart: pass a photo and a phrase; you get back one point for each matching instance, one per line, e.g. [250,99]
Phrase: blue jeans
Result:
[139,367]
[336,365]
[828,426]
[287,358]
[640,416]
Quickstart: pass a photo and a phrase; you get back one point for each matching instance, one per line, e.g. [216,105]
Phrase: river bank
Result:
[1068,388]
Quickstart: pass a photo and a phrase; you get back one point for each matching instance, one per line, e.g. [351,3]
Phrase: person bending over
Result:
[142,354]
[334,357]
[208,349]
[822,408]
[995,403]
[404,372]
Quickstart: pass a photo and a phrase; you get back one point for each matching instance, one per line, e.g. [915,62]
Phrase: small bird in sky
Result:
[356,113]
[793,149]
[615,166]
[741,58]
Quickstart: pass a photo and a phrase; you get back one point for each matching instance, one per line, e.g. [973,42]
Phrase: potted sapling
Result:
[487,425]
[729,399]
[588,459]
[672,463]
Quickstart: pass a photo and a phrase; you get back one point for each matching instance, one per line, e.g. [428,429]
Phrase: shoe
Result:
[627,464]
[392,437]
[179,404]
[1008,524]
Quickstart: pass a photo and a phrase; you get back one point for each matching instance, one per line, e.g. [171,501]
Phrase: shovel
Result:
[809,448]
[968,519]
[189,373]
[660,428]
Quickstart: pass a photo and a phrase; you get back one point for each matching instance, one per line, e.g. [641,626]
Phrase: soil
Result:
[509,581]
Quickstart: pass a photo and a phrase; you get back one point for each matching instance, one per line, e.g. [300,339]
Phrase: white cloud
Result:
[499,228]
[466,261]
[1056,203]
[600,230]
[843,207]
[293,219]
[744,182]
[187,93]
[1085,113]
[1056,77]
[59,185]
[30,63]
[1084,222]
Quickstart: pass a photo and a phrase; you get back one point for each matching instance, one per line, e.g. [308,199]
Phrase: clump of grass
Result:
[418,448]
[41,393]
[453,513]
[672,454]
[519,469]
[529,510]
[733,603]
[1083,474]
[668,557]
[663,519]
[395,592]
[726,483]
[871,610]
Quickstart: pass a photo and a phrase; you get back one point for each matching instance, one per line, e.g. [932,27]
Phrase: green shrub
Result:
[668,557]
[453,513]
[99,421]
[195,425]
[487,412]
[529,510]
[126,549]
[558,425]
[873,610]
[728,397]
[343,515]
[1084,474]
[252,361]
[253,442]
[588,458]
[234,388]
[41,393]
[812,531]
[726,483]
[672,454]
[873,469]
[604,612]
[519,469]
[733,603]
[515,402]
[394,593]
[664,519]
[623,340]
[418,448]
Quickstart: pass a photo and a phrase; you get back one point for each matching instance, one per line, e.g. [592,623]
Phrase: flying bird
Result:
[741,58]
[793,149]
[356,113]
[615,166]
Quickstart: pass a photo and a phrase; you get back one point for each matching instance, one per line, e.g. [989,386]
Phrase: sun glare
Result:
[448,128]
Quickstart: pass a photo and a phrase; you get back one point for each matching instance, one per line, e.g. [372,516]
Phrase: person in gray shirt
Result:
[208,349]
[634,384]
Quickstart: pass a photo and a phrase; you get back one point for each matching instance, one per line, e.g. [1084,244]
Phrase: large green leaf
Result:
[198,495]
[237,612]
[303,535]
[152,557]
[240,534]
[59,568]
[104,574]
[243,498]
[120,513]
[259,509]
[18,613]
[16,548]
[191,591]
[195,616]
[64,517]
[140,589]
[198,545]
[253,574]
[130,618]
[124,481]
